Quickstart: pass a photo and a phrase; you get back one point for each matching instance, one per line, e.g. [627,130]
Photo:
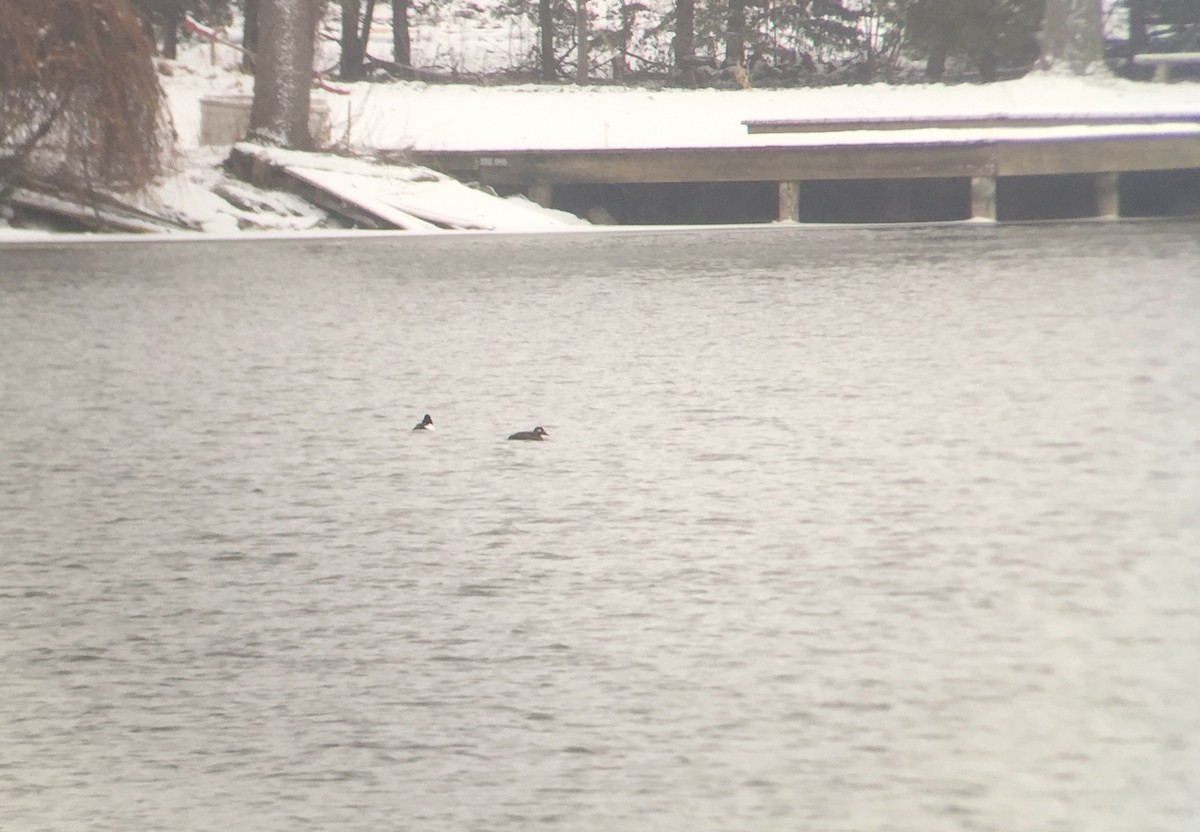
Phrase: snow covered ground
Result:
[392,118]
[408,115]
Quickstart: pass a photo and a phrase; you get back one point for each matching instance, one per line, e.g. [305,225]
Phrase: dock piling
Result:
[1108,196]
[983,197]
[789,202]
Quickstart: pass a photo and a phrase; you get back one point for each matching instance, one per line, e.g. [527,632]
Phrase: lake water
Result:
[836,529]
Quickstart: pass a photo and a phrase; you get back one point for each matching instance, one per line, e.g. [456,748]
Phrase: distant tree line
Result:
[776,42]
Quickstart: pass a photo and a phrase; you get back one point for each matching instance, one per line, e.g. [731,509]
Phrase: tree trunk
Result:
[172,20]
[1072,36]
[250,35]
[935,64]
[685,41]
[581,37]
[352,53]
[546,33]
[364,39]
[283,72]
[401,45]
[735,40]
[1137,26]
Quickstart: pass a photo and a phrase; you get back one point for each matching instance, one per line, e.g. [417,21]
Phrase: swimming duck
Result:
[425,424]
[534,435]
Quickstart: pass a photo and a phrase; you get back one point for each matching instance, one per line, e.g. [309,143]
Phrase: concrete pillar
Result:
[542,193]
[789,202]
[983,197]
[1108,196]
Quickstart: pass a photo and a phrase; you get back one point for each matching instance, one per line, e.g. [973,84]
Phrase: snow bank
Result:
[432,118]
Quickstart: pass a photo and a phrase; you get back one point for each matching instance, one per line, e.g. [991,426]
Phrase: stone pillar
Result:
[1108,195]
[789,202]
[983,197]
[542,193]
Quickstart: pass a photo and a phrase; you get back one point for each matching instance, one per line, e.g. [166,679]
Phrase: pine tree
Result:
[990,34]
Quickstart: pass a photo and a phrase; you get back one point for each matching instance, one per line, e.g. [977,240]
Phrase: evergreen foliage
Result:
[994,36]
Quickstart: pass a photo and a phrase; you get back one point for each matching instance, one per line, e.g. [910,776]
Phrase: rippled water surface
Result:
[837,529]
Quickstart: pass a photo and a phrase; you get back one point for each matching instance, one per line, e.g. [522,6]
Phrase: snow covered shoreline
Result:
[400,117]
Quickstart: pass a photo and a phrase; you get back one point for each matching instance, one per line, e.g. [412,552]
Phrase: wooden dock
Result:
[371,194]
[980,151]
